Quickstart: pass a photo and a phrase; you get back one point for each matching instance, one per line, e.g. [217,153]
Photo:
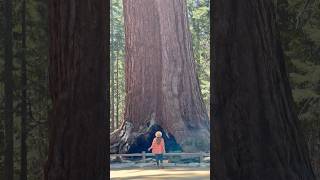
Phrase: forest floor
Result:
[168,173]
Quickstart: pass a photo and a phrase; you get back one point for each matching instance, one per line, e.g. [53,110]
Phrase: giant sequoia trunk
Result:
[162,90]
[256,130]
[77,82]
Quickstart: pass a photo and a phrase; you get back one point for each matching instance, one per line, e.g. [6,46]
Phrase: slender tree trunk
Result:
[117,88]
[78,84]
[162,90]
[113,126]
[112,96]
[112,71]
[8,96]
[23,165]
[197,31]
[197,3]
[256,130]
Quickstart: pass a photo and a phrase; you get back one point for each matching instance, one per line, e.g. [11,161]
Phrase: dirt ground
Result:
[168,173]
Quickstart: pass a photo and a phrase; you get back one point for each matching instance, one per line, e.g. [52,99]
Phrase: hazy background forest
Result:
[299,24]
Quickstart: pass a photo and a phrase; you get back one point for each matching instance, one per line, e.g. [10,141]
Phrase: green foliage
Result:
[199,24]
[299,31]
[37,81]
[117,81]
[299,23]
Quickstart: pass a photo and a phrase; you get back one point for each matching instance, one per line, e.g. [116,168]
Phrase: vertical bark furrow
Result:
[78,88]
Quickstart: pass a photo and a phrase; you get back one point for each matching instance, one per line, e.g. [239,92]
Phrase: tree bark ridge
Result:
[78,87]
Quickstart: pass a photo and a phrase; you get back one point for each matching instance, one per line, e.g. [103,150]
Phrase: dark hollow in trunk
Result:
[162,88]
[256,130]
[78,72]
[143,141]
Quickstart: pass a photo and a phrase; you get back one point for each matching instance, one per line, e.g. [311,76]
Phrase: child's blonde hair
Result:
[158,134]
[158,137]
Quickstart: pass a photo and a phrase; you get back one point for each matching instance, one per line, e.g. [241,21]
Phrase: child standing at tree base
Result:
[158,148]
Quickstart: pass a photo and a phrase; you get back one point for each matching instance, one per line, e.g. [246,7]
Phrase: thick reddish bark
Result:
[161,83]
[77,81]
[256,130]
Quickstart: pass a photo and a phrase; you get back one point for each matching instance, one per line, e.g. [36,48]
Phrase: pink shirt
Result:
[158,148]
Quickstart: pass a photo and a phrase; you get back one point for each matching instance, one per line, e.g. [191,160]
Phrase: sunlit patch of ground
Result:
[168,173]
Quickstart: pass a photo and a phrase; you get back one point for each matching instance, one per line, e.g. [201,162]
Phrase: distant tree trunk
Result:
[78,83]
[112,95]
[112,71]
[196,27]
[23,165]
[256,130]
[162,89]
[197,3]
[117,88]
[8,87]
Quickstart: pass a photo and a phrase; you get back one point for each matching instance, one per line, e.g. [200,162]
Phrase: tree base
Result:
[124,140]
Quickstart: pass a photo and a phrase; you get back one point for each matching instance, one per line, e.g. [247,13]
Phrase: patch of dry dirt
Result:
[168,173]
